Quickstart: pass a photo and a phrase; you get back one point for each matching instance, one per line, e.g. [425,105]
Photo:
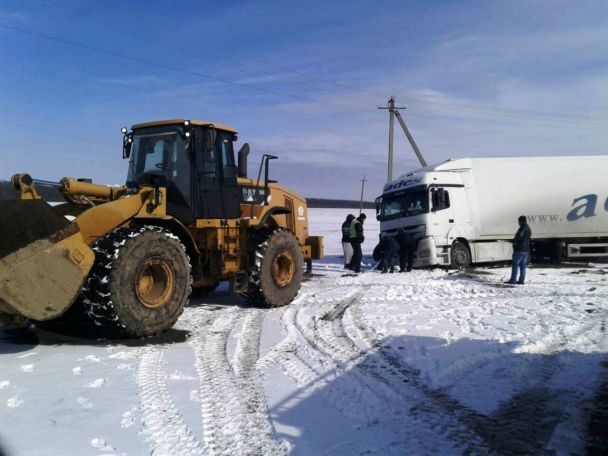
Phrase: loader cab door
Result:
[216,191]
[161,156]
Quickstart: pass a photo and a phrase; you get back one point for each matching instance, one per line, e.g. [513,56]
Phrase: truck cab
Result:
[431,206]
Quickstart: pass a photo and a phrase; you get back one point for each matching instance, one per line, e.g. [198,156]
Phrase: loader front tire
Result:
[140,283]
[276,276]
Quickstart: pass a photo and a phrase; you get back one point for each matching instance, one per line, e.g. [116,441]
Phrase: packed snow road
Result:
[418,363]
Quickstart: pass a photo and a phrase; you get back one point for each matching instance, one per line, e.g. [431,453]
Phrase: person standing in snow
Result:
[348,249]
[407,248]
[521,250]
[356,239]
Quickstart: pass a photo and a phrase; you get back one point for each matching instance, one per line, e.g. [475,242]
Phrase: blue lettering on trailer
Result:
[586,208]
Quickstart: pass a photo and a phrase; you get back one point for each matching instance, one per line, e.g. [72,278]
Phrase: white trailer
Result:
[465,211]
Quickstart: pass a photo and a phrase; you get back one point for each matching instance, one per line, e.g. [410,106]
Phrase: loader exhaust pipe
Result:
[243,153]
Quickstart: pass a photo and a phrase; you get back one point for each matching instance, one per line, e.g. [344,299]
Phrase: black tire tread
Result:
[255,294]
[96,292]
[460,245]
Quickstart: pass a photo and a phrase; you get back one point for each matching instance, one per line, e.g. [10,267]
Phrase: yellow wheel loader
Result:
[187,218]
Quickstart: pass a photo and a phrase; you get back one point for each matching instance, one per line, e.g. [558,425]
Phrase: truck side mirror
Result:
[441,197]
[434,200]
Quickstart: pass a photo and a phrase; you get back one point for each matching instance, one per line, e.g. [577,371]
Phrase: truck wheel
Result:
[460,255]
[276,275]
[140,282]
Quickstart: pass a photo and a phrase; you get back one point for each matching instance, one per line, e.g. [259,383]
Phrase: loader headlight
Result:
[187,127]
[124,130]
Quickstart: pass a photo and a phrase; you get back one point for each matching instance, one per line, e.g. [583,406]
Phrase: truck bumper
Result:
[427,254]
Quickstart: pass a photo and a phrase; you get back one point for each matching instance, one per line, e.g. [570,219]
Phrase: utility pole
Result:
[394,111]
[363,181]
[391,127]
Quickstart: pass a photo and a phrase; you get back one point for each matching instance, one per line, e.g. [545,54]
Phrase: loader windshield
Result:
[160,153]
[403,204]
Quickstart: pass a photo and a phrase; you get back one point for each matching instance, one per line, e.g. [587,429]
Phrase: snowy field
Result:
[419,363]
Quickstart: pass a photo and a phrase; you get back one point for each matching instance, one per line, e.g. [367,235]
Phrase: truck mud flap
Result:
[44,260]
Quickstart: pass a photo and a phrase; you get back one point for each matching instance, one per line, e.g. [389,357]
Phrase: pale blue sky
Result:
[302,80]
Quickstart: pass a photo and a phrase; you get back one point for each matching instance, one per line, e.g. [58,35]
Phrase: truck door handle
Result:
[451,220]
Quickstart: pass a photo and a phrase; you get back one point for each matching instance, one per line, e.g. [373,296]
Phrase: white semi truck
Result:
[465,211]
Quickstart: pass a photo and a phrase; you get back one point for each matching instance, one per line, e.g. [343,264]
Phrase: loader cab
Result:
[193,160]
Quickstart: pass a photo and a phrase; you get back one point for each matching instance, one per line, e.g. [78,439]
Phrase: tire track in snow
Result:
[163,425]
[370,388]
[257,437]
[290,355]
[402,387]
[233,406]
[355,388]
[435,407]
[313,368]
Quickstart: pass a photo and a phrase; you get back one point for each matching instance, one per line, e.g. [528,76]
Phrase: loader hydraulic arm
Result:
[70,187]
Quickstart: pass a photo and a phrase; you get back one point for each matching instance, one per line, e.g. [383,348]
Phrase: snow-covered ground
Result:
[420,363]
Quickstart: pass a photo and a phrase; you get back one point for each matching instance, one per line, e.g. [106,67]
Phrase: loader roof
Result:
[181,121]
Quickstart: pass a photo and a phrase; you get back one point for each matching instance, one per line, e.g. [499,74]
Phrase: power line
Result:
[466,108]
[166,66]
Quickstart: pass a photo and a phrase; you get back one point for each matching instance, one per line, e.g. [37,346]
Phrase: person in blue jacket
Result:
[390,252]
[407,249]
[521,250]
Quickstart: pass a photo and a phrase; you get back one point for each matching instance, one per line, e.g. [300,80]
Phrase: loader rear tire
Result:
[140,282]
[276,276]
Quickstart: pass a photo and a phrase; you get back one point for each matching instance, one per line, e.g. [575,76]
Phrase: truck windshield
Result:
[160,153]
[403,204]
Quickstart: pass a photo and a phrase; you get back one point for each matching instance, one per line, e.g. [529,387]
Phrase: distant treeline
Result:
[340,204]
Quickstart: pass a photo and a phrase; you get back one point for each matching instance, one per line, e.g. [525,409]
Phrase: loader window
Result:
[228,158]
[160,153]
[157,156]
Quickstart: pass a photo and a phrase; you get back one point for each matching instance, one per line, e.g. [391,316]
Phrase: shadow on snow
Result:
[475,396]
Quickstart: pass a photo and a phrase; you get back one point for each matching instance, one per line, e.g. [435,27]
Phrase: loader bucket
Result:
[44,260]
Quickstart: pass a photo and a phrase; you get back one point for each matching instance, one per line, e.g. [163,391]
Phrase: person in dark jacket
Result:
[348,249]
[521,250]
[356,239]
[390,249]
[407,248]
